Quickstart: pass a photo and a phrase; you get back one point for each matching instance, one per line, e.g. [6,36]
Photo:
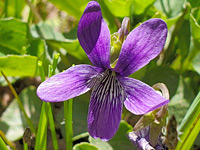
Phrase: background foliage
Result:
[32,30]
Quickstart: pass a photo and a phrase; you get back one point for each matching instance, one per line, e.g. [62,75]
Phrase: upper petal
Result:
[105,107]
[140,98]
[67,84]
[142,45]
[94,35]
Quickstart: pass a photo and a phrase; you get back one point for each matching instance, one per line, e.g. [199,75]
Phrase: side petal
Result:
[94,35]
[140,98]
[142,45]
[105,108]
[67,84]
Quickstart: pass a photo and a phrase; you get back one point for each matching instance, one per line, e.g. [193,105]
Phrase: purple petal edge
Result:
[67,84]
[141,98]
[142,45]
[94,35]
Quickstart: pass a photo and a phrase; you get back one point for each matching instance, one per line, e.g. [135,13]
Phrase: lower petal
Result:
[68,84]
[105,108]
[140,98]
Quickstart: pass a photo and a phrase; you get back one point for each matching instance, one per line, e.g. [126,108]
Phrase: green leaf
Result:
[181,94]
[72,47]
[13,121]
[58,42]
[14,8]
[184,36]
[13,36]
[122,8]
[38,48]
[190,125]
[164,75]
[197,141]
[195,23]
[84,146]
[140,6]
[80,111]
[14,65]
[119,8]
[181,101]
[46,31]
[170,7]
[119,141]
[171,21]
[190,62]
[74,8]
[194,3]
[2,4]
[102,145]
[196,63]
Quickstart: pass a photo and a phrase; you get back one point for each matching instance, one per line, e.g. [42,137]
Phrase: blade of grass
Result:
[25,146]
[68,123]
[48,105]
[52,69]
[55,62]
[19,103]
[41,137]
[6,8]
[12,145]
[42,74]
[190,126]
[52,127]
[3,144]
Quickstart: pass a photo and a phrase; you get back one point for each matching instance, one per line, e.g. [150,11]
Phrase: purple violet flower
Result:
[111,88]
[141,140]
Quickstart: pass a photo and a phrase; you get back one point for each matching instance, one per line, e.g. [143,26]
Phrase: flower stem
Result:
[41,69]
[10,144]
[19,103]
[41,138]
[3,144]
[52,69]
[82,135]
[68,123]
[47,106]
[52,126]
[55,62]
[25,146]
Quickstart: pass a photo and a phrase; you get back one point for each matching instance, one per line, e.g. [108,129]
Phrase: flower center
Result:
[106,86]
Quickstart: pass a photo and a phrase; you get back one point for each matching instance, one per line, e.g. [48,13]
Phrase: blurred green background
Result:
[32,30]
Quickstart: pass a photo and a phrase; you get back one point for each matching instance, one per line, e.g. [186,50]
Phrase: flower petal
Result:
[94,35]
[105,107]
[140,98]
[65,85]
[142,45]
